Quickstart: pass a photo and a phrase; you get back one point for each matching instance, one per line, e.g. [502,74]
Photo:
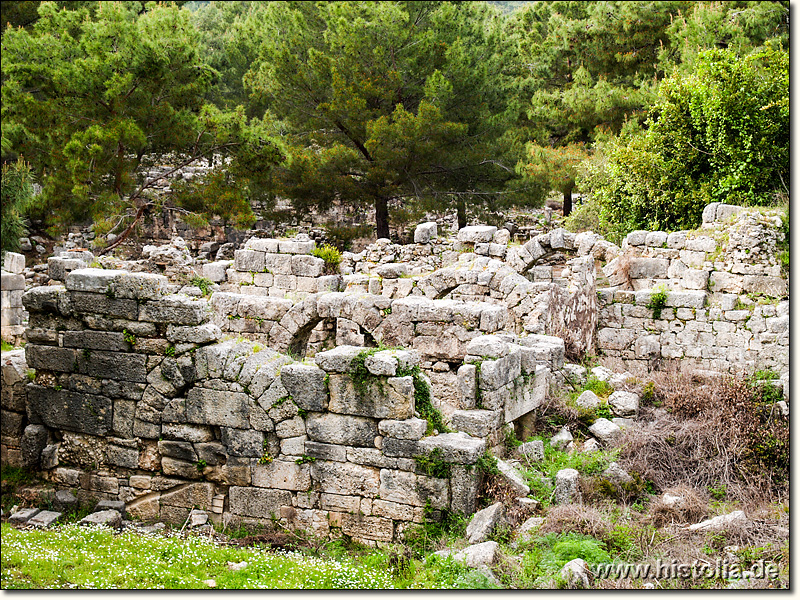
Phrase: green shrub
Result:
[204,284]
[17,196]
[658,300]
[331,256]
[433,464]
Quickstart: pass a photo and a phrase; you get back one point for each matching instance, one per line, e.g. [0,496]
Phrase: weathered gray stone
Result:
[545,350]
[176,309]
[457,448]
[388,362]
[59,266]
[97,281]
[14,262]
[407,488]
[258,502]
[532,451]
[566,486]
[488,346]
[576,574]
[48,358]
[23,515]
[73,411]
[347,479]
[424,232]
[306,385]
[215,407]
[479,423]
[605,431]
[290,428]
[408,429]
[624,404]
[215,271]
[188,433]
[528,529]
[467,385]
[617,474]
[560,440]
[65,500]
[484,521]
[325,451]
[200,334]
[588,399]
[341,429]
[391,398]
[117,505]
[733,519]
[476,234]
[107,518]
[282,475]
[513,478]
[477,555]
[339,359]
[243,442]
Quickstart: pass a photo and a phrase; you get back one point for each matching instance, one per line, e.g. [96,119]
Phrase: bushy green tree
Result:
[386,103]
[720,133]
[95,99]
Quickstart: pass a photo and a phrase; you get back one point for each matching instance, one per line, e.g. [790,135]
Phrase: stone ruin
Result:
[296,395]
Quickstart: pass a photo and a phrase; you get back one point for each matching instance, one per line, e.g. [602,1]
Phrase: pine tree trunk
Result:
[382,217]
[568,199]
[461,212]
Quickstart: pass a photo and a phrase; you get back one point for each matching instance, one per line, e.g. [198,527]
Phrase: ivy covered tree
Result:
[387,103]
[95,98]
[720,133]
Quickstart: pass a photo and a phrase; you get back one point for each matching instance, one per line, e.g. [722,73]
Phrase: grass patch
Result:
[7,347]
[73,557]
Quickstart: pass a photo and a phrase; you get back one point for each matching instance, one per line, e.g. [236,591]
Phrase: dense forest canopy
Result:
[651,109]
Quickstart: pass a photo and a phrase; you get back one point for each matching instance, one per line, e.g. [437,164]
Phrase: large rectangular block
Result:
[346,430]
[11,281]
[282,475]
[370,528]
[345,479]
[101,304]
[73,411]
[216,407]
[180,310]
[51,358]
[408,488]
[113,365]
[248,260]
[97,281]
[528,394]
[377,397]
[96,340]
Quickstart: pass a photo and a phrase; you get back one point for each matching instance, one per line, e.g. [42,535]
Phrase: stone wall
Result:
[134,397]
[12,313]
[726,306]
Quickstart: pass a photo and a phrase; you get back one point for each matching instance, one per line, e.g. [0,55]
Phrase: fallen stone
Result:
[528,529]
[197,518]
[109,518]
[576,574]
[566,486]
[65,499]
[533,451]
[590,445]
[477,234]
[484,521]
[237,566]
[457,448]
[22,516]
[624,404]
[605,431]
[617,474]
[425,232]
[513,478]
[476,555]
[116,505]
[338,359]
[562,439]
[44,518]
[602,373]
[588,399]
[736,518]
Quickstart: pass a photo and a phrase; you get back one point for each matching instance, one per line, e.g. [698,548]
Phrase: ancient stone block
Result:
[306,385]
[73,411]
[346,479]
[214,407]
[390,398]
[341,429]
[282,475]
[408,488]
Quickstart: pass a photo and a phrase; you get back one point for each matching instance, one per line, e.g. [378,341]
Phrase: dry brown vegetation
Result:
[723,433]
